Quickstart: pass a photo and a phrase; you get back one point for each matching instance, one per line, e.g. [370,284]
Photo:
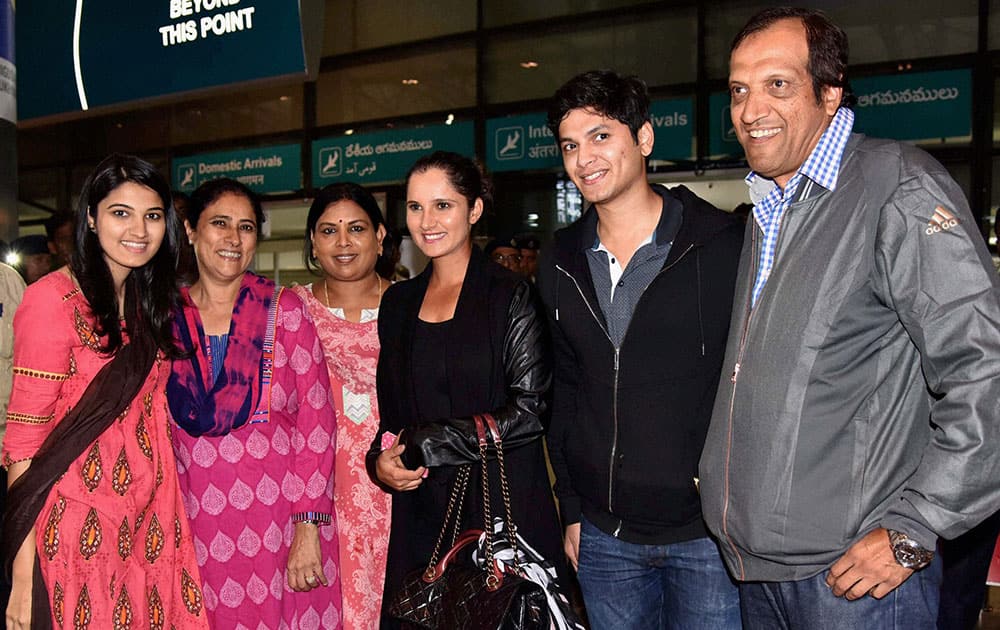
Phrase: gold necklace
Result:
[326,291]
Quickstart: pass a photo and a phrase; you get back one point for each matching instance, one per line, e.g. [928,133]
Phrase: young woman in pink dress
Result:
[344,242]
[256,430]
[95,513]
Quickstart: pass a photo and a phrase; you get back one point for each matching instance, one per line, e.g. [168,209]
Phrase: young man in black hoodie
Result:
[639,294]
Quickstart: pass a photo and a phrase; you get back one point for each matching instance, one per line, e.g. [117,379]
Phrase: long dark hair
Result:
[349,191]
[150,290]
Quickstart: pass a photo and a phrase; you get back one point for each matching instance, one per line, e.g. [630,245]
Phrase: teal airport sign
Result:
[385,156]
[272,169]
[721,134]
[521,143]
[917,106]
[74,56]
[673,122]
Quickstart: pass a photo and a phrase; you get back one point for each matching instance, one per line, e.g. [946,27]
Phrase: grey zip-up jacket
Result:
[863,388]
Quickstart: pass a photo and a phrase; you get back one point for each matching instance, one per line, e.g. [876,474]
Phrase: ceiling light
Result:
[410,81]
[284,97]
[349,132]
[528,65]
[450,119]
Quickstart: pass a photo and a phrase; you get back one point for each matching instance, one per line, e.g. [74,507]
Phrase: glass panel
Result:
[446,79]
[628,45]
[500,12]
[45,187]
[361,24]
[247,112]
[994,35]
[877,31]
[989,222]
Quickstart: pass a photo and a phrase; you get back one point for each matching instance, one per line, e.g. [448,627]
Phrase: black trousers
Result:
[966,564]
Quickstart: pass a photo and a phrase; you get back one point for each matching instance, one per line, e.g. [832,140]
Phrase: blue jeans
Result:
[809,604]
[632,587]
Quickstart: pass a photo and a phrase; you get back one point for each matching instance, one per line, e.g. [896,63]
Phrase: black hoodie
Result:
[629,423]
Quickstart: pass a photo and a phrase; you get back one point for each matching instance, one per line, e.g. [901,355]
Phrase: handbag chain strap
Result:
[455,502]
[492,581]
[504,488]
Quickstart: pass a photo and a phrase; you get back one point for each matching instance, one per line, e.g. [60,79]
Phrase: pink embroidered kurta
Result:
[242,489]
[362,508]
[113,540]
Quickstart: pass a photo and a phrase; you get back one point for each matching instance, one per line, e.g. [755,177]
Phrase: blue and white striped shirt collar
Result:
[823,164]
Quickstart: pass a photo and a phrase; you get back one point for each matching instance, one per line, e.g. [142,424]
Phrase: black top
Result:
[429,373]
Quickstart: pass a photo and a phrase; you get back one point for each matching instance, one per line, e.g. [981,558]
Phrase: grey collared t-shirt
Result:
[619,304]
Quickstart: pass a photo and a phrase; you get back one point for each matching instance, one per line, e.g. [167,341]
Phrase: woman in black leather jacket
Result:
[464,337]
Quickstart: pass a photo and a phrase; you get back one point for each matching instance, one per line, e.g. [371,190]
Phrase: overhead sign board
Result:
[270,169]
[385,156]
[520,143]
[80,55]
[916,106]
[673,123]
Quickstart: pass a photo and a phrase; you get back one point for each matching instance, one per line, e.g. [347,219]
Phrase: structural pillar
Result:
[8,124]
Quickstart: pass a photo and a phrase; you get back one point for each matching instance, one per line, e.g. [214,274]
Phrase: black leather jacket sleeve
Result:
[527,372]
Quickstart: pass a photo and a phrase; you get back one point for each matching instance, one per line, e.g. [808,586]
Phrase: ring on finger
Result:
[312,580]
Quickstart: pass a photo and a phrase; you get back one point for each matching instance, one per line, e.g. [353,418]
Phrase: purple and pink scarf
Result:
[202,407]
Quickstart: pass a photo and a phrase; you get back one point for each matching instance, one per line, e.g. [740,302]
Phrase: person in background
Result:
[504,252]
[59,229]
[95,513]
[638,294]
[966,563]
[256,429]
[34,258]
[464,337]
[529,246]
[856,421]
[11,291]
[187,269]
[344,242]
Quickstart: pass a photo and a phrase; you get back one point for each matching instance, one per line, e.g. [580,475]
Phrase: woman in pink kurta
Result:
[346,231]
[256,431]
[112,538]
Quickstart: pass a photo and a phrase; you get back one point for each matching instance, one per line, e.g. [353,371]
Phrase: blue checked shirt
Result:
[770,202]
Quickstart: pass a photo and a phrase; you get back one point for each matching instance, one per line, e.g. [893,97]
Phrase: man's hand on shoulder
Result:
[868,567]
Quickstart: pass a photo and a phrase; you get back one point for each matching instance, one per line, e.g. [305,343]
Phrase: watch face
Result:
[911,555]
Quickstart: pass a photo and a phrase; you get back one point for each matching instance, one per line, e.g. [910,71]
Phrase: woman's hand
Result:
[305,560]
[19,606]
[391,471]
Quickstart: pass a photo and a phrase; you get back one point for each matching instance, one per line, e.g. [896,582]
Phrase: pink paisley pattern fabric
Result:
[241,490]
[113,540]
[362,508]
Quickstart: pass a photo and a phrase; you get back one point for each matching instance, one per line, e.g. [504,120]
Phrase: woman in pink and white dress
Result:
[255,430]
[345,232]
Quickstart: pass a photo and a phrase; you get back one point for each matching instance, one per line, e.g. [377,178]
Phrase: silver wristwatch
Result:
[908,552]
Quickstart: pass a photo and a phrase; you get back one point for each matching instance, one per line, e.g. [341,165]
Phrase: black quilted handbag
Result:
[451,596]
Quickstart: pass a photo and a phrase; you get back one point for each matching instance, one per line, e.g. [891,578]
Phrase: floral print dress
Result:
[113,539]
[363,509]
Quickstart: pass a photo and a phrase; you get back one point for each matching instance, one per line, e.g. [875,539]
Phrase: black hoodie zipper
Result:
[617,349]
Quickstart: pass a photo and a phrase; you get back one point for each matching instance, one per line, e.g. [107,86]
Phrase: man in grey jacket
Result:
[858,416]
